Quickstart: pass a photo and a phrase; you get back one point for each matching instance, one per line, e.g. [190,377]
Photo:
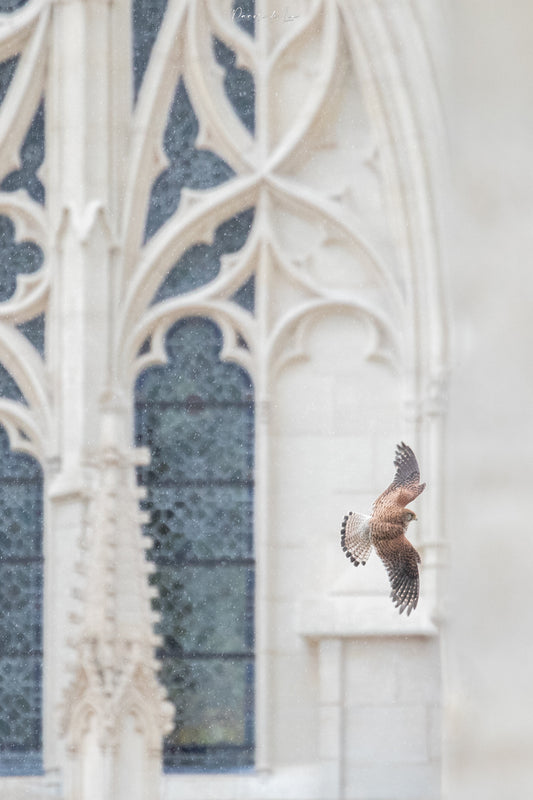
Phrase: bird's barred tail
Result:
[344,546]
[355,538]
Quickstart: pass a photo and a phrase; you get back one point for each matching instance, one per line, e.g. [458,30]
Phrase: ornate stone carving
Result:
[339,169]
[114,671]
[24,33]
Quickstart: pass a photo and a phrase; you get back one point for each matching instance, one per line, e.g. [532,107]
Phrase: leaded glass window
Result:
[21,486]
[21,591]
[196,415]
[31,157]
[196,169]
[11,5]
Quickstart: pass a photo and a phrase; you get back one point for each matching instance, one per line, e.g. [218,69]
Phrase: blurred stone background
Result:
[489,640]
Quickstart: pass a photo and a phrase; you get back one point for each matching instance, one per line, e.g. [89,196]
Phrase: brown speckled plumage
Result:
[385,531]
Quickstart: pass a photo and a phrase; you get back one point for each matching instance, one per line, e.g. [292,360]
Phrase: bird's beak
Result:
[415,518]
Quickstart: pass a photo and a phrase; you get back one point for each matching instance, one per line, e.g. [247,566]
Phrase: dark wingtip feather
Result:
[407,469]
[343,531]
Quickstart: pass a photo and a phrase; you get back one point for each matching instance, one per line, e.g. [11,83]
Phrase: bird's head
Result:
[408,516]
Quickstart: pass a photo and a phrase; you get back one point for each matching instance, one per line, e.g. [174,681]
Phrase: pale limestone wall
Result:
[376,725]
[348,351]
[488,694]
[392,717]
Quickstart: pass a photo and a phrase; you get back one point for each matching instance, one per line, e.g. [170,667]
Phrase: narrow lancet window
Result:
[196,415]
[21,600]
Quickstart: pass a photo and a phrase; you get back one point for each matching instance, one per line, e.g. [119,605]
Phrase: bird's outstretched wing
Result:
[406,485]
[401,561]
[355,538]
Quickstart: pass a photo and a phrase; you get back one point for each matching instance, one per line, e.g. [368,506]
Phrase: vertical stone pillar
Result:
[331,716]
[115,713]
[98,618]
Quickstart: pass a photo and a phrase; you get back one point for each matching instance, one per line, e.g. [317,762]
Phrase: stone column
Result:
[98,618]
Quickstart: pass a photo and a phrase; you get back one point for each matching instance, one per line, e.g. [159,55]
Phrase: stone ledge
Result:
[338,617]
[304,781]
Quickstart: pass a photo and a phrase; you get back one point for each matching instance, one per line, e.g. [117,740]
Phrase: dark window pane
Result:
[188,166]
[11,391]
[238,84]
[21,595]
[213,699]
[218,593]
[196,169]
[34,330]
[244,15]
[11,5]
[21,487]
[31,156]
[15,258]
[7,70]
[147,16]
[189,526]
[194,370]
[196,415]
[215,444]
[245,296]
[201,263]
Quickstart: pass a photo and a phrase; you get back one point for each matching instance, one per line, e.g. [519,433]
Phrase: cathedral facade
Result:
[224,301]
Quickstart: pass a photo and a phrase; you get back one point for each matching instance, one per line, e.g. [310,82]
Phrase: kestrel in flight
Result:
[385,531]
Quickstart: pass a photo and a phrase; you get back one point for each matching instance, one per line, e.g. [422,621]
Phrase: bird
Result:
[384,531]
